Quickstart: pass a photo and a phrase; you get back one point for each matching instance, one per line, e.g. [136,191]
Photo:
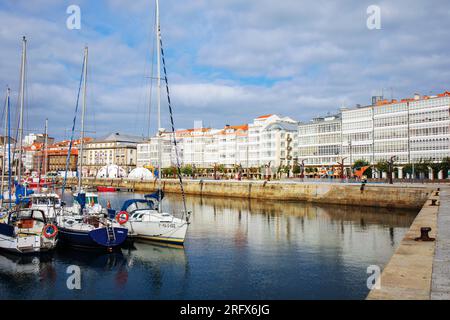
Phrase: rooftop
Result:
[118,137]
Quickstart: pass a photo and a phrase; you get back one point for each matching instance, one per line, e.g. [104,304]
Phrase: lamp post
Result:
[391,168]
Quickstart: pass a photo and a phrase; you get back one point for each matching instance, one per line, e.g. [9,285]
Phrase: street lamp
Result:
[391,168]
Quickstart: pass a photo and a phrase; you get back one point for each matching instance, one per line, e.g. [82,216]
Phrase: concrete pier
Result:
[420,270]
[371,195]
[440,288]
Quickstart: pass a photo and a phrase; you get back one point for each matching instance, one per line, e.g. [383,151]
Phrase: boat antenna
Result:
[169,102]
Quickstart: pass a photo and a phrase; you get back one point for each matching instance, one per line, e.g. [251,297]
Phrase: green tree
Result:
[187,170]
[422,167]
[382,166]
[296,169]
[221,168]
[408,169]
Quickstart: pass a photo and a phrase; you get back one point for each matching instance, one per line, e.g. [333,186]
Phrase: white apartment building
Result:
[148,152]
[197,146]
[271,140]
[410,130]
[231,145]
[320,141]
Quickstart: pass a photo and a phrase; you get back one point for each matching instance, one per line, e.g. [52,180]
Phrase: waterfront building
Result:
[148,152]
[198,146]
[4,144]
[28,155]
[57,156]
[407,130]
[231,142]
[319,141]
[271,141]
[31,138]
[114,149]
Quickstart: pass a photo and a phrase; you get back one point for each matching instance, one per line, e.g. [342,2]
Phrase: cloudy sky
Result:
[229,61]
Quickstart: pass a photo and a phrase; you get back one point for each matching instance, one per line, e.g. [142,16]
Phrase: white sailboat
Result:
[24,230]
[145,219]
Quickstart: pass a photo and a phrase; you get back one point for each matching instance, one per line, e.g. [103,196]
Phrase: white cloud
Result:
[228,61]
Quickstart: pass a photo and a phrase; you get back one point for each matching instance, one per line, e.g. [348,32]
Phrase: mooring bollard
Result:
[424,235]
[437,193]
[433,202]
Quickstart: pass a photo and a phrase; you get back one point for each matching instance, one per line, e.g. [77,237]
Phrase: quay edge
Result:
[373,195]
[418,270]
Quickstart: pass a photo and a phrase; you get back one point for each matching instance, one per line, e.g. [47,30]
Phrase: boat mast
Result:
[158,49]
[22,103]
[80,155]
[4,145]
[45,147]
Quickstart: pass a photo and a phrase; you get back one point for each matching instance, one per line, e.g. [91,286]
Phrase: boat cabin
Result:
[134,205]
[45,200]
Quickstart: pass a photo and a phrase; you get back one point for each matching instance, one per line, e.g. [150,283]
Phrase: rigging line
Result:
[180,178]
[69,152]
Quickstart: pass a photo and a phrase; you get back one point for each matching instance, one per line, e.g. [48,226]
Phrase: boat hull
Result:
[33,244]
[106,189]
[171,233]
[95,239]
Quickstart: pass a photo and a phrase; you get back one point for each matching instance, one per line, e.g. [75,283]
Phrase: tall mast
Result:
[158,49]
[46,147]
[22,103]
[80,155]
[4,145]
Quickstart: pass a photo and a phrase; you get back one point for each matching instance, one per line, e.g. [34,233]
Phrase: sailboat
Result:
[23,231]
[21,191]
[78,225]
[145,218]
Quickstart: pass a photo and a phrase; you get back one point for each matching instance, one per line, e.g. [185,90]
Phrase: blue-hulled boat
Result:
[89,231]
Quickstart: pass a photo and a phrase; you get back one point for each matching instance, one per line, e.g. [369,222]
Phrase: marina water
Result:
[235,249]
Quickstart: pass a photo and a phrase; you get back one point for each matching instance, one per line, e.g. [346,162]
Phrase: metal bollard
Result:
[424,235]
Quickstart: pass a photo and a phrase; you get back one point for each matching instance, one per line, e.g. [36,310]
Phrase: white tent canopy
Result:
[141,174]
[112,171]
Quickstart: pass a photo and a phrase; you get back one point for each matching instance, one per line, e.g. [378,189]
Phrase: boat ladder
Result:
[111,234]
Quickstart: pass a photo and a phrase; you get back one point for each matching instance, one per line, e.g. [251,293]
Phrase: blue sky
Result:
[229,61]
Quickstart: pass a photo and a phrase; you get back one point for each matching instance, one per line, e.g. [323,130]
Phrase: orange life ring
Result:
[122,217]
[52,233]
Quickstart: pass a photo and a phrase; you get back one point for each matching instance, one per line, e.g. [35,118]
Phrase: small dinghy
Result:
[27,231]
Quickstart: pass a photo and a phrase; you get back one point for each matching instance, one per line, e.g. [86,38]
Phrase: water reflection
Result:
[235,249]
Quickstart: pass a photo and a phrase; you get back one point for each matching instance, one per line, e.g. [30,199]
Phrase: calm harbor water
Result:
[235,249]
